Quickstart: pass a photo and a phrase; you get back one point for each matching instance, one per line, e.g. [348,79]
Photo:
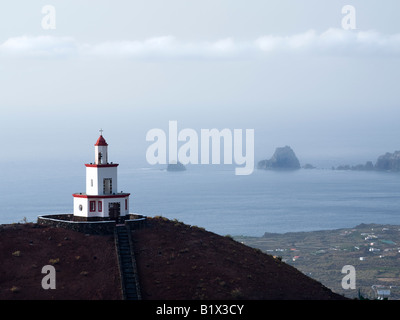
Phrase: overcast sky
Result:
[284,68]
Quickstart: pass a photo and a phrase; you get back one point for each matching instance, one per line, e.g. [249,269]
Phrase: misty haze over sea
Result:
[292,71]
[214,198]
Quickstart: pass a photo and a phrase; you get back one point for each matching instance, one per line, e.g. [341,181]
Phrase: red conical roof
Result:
[101,141]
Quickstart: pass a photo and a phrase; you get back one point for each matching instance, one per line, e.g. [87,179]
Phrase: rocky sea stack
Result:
[283,159]
[176,167]
[389,162]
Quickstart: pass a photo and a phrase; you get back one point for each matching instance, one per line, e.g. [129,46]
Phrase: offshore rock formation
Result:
[176,167]
[368,166]
[389,162]
[283,158]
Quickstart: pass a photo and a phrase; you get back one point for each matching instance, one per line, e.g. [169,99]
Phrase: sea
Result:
[213,197]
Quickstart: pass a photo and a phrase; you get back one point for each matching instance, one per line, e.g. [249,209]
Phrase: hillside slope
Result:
[175,261]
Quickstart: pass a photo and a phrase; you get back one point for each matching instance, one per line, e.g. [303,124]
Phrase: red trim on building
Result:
[118,195]
[101,141]
[102,165]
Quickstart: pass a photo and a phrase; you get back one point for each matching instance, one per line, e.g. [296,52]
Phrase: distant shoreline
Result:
[359,226]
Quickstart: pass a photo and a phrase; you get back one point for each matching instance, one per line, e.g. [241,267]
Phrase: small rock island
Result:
[284,158]
[388,162]
[174,167]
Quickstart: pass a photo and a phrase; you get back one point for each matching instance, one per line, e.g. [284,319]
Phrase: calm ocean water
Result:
[214,198]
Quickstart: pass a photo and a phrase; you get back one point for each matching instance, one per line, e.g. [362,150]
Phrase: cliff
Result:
[283,158]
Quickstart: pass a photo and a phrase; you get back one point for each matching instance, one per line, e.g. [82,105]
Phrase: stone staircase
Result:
[127,264]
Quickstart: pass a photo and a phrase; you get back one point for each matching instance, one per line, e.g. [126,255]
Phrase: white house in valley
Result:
[101,199]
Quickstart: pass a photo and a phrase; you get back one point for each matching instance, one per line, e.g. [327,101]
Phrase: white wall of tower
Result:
[95,179]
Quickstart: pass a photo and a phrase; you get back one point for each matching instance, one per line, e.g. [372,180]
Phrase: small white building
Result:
[101,199]
[381,291]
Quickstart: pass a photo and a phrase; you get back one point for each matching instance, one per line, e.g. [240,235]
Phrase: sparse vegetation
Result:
[24,220]
[16,253]
[237,293]
[54,261]
[15,289]
[161,218]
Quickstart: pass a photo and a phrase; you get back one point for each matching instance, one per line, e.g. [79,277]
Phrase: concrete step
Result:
[126,265]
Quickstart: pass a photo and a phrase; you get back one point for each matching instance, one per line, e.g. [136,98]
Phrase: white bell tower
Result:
[102,199]
[101,150]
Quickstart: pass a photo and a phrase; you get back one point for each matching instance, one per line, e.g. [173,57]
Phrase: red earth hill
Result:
[175,261]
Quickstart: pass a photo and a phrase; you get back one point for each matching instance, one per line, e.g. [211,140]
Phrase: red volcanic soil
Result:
[86,265]
[175,261]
